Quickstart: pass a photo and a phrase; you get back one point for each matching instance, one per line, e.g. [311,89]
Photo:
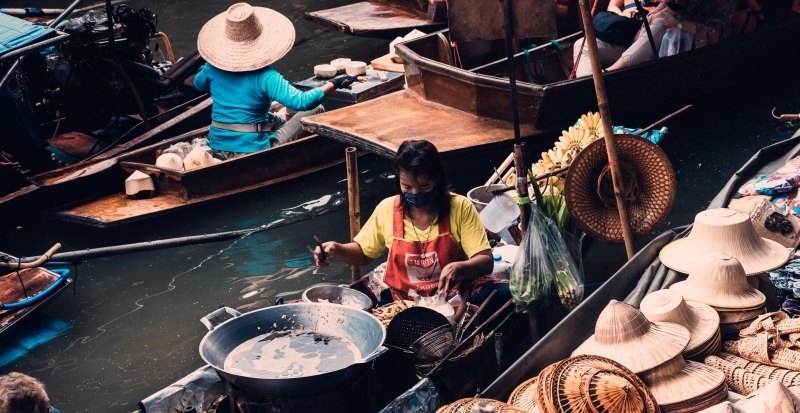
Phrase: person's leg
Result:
[608,52]
[640,51]
[293,129]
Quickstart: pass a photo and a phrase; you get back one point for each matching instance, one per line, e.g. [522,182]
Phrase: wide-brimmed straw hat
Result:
[625,335]
[679,385]
[700,319]
[245,38]
[719,280]
[731,232]
[649,184]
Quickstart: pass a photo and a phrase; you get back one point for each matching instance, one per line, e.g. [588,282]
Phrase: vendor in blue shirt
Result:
[239,46]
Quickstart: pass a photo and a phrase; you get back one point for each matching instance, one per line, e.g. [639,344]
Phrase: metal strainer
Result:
[434,344]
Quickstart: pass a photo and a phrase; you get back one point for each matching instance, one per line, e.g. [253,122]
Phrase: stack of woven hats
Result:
[729,231]
[719,280]
[654,351]
[700,319]
[584,384]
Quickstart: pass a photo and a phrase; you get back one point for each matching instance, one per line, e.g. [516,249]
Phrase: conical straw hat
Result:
[728,231]
[625,335]
[649,183]
[245,38]
[592,384]
[678,381]
[669,305]
[719,281]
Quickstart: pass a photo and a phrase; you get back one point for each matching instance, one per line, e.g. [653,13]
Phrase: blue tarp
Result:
[16,33]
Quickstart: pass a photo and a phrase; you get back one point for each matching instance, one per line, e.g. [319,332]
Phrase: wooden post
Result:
[353,200]
[605,115]
[522,184]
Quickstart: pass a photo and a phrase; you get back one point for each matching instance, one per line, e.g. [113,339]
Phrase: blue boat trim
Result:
[63,274]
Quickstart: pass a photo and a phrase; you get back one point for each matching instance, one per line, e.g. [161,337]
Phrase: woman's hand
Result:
[329,248]
[449,276]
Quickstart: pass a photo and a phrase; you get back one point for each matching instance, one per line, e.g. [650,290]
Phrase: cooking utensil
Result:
[337,294]
[411,324]
[462,318]
[358,327]
[434,344]
[475,316]
[322,255]
[469,338]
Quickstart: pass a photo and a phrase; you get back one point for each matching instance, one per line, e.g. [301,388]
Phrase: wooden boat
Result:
[182,189]
[630,283]
[382,18]
[40,286]
[81,180]
[465,109]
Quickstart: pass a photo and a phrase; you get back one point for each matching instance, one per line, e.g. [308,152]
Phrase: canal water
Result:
[131,324]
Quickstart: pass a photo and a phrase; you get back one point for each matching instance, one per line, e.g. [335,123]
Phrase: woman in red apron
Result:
[434,238]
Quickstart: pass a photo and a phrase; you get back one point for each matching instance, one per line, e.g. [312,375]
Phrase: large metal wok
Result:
[354,325]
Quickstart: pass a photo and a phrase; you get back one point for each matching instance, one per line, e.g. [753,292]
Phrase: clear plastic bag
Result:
[544,272]
[675,41]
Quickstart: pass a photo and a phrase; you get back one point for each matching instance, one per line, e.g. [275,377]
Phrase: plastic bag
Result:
[675,41]
[544,270]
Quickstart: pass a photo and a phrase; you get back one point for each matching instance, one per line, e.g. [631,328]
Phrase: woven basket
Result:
[760,349]
[524,396]
[650,182]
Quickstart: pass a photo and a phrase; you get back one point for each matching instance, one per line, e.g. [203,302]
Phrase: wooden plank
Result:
[381,125]
[385,63]
[228,178]
[370,17]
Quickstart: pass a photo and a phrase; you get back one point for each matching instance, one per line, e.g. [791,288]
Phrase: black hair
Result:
[421,158]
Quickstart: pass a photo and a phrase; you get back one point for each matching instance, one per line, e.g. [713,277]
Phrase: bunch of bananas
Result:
[569,144]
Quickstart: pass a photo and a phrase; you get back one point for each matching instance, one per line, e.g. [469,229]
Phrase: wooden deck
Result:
[36,280]
[372,18]
[381,125]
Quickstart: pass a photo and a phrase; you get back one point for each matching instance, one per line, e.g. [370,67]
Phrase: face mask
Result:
[419,199]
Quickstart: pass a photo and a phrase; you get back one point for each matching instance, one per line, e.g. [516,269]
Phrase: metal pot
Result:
[333,293]
[356,326]
[481,196]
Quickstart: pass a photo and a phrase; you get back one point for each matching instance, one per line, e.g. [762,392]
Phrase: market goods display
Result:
[686,386]
[544,267]
[648,181]
[719,280]
[700,319]
[728,231]
[623,334]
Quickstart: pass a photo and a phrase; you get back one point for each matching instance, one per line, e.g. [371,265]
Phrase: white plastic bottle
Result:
[502,269]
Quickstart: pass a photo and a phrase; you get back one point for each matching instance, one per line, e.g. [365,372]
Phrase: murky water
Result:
[132,325]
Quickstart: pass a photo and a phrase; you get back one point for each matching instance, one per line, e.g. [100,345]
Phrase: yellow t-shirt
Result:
[376,235]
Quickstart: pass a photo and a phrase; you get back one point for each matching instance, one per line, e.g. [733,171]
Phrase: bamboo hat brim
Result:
[245,38]
[728,231]
[625,335]
[649,195]
[678,382]
[700,319]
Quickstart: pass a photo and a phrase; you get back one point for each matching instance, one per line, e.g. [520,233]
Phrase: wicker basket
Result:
[524,396]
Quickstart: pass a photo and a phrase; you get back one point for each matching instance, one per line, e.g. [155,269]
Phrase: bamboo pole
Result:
[353,200]
[605,115]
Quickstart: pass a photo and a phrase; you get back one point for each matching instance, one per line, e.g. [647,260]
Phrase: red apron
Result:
[409,267]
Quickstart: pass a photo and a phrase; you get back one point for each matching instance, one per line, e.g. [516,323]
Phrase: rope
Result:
[19,276]
[583,43]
